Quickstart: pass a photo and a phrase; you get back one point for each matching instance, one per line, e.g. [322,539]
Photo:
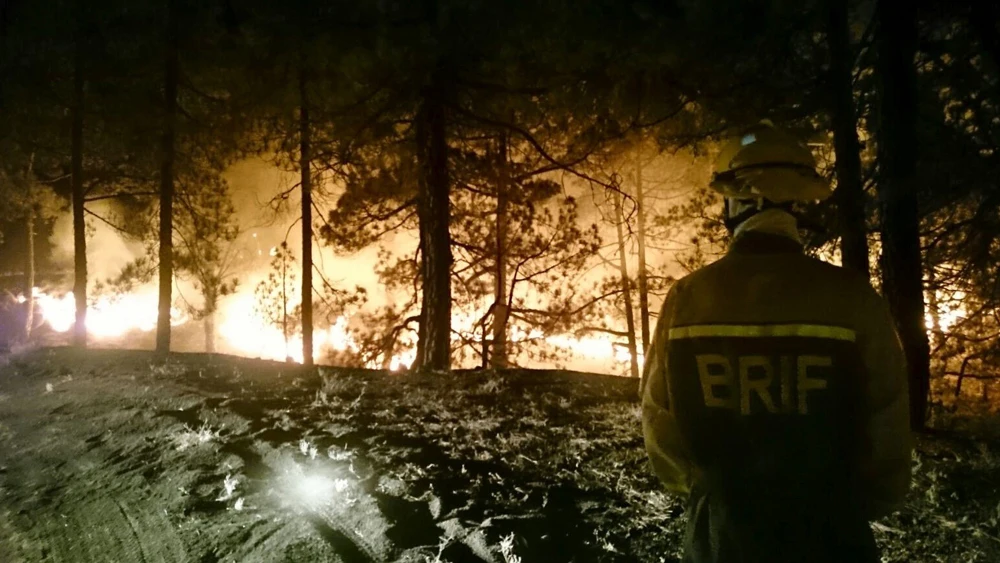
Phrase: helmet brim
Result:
[778,185]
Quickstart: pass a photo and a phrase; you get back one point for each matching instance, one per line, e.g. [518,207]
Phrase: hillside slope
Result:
[109,456]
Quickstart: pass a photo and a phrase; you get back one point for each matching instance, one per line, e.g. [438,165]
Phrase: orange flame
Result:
[107,317]
[247,334]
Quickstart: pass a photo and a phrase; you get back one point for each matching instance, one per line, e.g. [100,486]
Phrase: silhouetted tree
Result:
[168,134]
[902,272]
[850,194]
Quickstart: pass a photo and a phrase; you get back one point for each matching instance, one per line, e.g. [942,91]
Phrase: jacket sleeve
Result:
[885,466]
[664,442]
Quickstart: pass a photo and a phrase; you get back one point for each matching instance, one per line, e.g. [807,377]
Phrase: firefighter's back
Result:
[767,383]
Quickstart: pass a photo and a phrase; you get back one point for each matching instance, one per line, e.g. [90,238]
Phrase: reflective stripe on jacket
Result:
[776,384]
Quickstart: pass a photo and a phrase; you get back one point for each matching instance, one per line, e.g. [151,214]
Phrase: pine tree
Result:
[303,98]
[207,231]
[29,203]
[626,283]
[76,171]
[167,156]
[275,294]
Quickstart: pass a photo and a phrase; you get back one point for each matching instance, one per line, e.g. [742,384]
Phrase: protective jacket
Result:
[774,396]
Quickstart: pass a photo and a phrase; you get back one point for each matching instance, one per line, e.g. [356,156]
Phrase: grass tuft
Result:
[507,549]
[190,437]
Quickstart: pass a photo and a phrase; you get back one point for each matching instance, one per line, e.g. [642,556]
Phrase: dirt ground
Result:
[109,456]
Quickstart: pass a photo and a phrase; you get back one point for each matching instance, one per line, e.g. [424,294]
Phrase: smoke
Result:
[267,205]
[255,186]
[107,250]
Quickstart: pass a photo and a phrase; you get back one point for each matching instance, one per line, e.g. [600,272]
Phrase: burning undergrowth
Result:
[110,456]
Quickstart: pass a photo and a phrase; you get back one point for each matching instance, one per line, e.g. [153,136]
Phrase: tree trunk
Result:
[643,273]
[305,168]
[934,307]
[626,288]
[29,271]
[166,250]
[284,307]
[79,220]
[498,357]
[31,213]
[434,212]
[211,307]
[422,324]
[5,17]
[487,343]
[850,193]
[388,343]
[901,261]
[210,332]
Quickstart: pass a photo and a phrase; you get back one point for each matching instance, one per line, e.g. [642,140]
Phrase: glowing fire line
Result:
[245,333]
[107,317]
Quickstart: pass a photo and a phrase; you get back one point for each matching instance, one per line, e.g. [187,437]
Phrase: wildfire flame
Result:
[950,310]
[107,317]
[246,333]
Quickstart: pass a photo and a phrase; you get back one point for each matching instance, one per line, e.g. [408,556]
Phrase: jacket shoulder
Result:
[776,285]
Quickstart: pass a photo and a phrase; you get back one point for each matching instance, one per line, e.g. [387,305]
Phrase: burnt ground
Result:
[108,456]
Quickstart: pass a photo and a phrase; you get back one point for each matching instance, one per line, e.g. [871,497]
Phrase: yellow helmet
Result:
[764,162]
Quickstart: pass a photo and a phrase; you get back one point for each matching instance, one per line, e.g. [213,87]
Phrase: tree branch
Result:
[107,222]
[501,88]
[119,195]
[556,164]
[586,305]
[619,333]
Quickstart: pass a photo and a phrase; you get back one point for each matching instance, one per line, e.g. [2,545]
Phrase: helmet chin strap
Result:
[732,218]
[753,207]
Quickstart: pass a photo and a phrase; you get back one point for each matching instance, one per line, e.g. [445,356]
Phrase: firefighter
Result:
[774,394]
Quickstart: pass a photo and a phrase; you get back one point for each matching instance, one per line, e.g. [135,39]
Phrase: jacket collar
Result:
[757,242]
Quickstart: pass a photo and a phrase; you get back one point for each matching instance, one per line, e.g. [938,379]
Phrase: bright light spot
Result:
[313,489]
